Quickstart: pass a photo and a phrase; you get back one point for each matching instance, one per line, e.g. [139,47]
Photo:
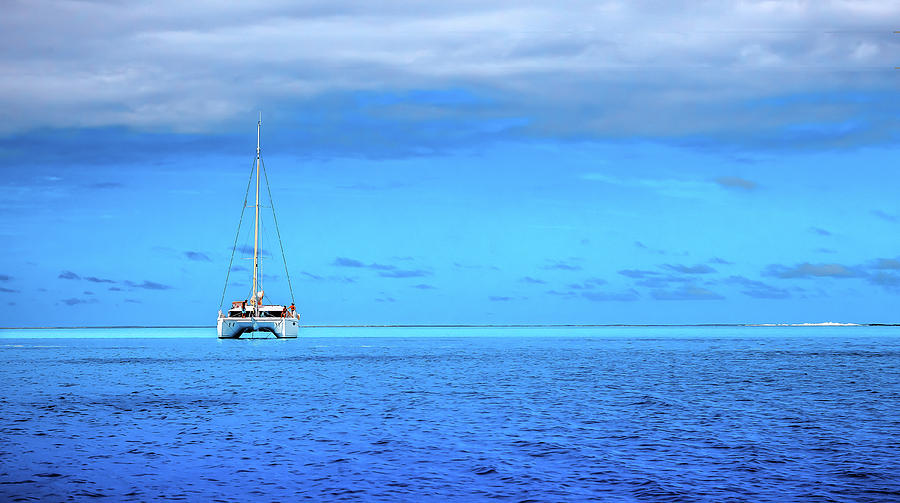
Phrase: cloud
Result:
[105,185]
[133,301]
[884,272]
[663,281]
[727,72]
[686,293]
[664,186]
[734,182]
[495,298]
[384,270]
[94,279]
[758,289]
[239,268]
[401,273]
[148,285]
[381,267]
[5,277]
[423,286]
[533,281]
[248,250]
[637,273]
[695,269]
[885,263]
[197,256]
[626,296]
[338,279]
[587,284]
[807,270]
[721,261]
[561,294]
[73,301]
[562,266]
[820,231]
[885,279]
[8,290]
[349,262]
[655,279]
[886,216]
[642,246]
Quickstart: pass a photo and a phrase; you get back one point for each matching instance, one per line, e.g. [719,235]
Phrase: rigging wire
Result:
[236,236]
[277,232]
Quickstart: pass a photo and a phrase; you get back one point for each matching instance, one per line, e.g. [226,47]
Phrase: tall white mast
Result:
[256,226]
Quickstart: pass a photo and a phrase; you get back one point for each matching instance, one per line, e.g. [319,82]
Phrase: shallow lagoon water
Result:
[416,414]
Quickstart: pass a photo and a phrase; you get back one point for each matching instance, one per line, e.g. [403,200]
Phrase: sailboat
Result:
[252,314]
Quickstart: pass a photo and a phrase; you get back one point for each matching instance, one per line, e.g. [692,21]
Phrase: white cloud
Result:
[865,51]
[609,68]
[663,186]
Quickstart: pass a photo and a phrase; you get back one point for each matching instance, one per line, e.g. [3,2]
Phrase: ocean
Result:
[621,414]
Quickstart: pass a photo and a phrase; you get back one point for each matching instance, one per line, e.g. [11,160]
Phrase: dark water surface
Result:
[650,414]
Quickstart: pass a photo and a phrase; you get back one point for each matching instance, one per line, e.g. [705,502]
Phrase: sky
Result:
[461,162]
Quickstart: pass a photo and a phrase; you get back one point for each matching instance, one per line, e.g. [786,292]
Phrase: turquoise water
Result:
[416,414]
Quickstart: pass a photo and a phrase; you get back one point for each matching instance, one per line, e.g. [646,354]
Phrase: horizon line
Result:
[508,325]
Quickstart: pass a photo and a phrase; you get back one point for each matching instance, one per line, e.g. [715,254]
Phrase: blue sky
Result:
[480,162]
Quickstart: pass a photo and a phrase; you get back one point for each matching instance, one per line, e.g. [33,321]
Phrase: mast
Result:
[256,226]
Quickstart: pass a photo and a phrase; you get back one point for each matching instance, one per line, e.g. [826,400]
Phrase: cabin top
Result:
[242,309]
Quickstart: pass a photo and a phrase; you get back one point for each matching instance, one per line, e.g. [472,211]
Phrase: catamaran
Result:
[252,314]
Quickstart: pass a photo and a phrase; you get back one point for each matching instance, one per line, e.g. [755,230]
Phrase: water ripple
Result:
[644,418]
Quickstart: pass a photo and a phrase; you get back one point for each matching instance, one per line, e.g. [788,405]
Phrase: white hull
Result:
[282,328]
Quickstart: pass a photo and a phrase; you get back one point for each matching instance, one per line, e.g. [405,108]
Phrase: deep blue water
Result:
[611,414]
